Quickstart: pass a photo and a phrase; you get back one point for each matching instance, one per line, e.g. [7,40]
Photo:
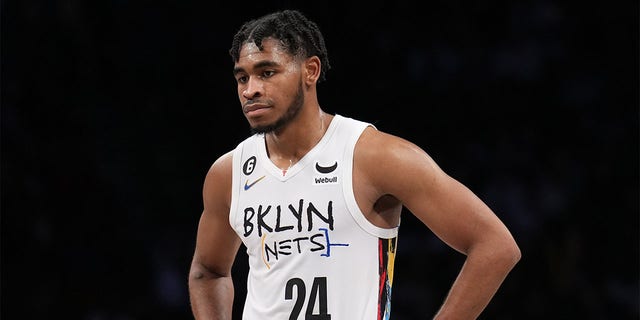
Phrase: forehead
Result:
[272,50]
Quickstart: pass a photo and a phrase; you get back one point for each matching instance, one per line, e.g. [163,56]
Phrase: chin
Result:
[257,127]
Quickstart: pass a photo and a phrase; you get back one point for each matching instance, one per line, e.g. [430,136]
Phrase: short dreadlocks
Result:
[299,36]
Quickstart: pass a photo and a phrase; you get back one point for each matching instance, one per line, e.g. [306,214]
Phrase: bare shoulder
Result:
[387,162]
[222,165]
[217,184]
[390,153]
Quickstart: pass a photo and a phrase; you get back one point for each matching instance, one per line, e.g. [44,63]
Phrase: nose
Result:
[253,88]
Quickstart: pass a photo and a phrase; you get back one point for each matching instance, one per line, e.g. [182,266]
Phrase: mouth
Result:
[248,108]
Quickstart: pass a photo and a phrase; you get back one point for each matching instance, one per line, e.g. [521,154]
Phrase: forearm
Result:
[479,279]
[211,296]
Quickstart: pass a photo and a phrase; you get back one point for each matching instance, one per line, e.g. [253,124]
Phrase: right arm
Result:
[210,285]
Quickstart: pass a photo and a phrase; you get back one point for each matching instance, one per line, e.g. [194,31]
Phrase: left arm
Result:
[464,222]
[455,214]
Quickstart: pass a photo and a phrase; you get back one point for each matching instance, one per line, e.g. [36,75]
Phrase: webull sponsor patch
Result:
[323,180]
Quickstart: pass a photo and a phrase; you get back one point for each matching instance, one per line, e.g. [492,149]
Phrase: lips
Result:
[250,107]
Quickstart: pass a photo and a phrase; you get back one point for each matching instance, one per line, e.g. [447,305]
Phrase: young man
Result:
[316,198]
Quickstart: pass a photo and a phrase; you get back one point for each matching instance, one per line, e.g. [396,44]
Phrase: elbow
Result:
[502,253]
[516,255]
[196,274]
[199,271]
[511,253]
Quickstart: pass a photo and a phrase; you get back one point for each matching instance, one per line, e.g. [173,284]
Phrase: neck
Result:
[289,145]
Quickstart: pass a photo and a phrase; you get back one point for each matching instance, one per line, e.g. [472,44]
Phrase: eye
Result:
[268,73]
[242,79]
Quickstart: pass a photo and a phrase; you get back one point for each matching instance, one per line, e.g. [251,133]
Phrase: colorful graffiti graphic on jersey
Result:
[387,256]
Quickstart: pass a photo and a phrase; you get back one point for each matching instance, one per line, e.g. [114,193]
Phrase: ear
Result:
[312,67]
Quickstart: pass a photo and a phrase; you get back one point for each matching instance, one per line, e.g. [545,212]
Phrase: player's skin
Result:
[389,173]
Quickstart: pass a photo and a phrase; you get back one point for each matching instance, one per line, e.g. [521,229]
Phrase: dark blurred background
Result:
[113,111]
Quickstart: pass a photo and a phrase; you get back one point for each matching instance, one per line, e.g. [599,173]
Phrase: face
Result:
[269,86]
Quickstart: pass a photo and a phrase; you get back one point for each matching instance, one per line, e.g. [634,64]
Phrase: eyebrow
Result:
[257,65]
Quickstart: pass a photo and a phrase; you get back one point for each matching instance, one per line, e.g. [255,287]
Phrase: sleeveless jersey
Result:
[312,253]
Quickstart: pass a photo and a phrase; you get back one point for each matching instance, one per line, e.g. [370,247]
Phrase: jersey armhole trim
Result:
[235,183]
[352,205]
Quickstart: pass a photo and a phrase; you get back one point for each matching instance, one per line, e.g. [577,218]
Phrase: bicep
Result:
[451,210]
[447,207]
[216,241]
[216,244]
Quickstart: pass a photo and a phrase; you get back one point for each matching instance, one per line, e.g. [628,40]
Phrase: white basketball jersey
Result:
[312,253]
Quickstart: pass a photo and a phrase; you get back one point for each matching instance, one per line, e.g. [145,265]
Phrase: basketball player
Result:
[316,198]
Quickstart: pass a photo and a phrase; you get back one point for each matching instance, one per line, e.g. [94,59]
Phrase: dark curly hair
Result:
[298,35]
